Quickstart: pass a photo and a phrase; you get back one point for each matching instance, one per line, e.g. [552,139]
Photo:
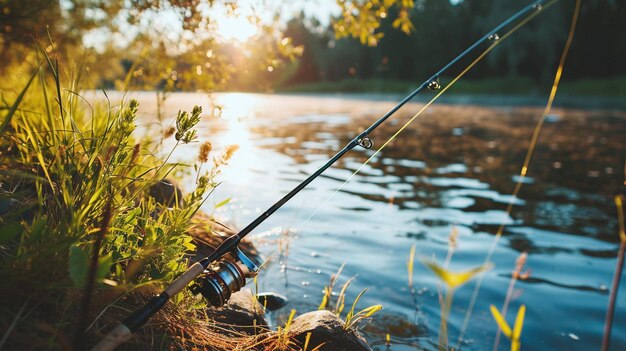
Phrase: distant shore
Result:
[586,93]
[597,94]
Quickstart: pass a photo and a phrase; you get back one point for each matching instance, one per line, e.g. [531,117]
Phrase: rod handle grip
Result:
[184,279]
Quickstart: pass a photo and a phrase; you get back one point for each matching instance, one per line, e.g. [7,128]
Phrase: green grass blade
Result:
[222,203]
[18,101]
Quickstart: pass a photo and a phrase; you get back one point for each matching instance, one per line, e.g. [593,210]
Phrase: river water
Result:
[453,169]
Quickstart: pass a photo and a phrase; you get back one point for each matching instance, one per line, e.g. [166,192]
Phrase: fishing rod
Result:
[217,278]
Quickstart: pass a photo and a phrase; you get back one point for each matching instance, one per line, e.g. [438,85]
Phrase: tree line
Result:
[396,40]
[443,29]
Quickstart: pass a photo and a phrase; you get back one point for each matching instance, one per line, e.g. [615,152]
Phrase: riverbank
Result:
[515,91]
[91,229]
[453,167]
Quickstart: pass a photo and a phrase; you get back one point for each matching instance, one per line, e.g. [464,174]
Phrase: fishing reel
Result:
[224,277]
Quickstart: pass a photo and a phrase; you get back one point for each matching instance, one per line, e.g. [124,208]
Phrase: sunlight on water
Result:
[237,110]
[432,178]
[245,159]
[238,105]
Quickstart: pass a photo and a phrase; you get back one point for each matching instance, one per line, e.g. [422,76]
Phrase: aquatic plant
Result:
[328,289]
[608,323]
[452,280]
[410,263]
[452,245]
[352,318]
[513,334]
[527,160]
[516,274]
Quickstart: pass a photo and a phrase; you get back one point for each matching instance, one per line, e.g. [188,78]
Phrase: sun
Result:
[236,28]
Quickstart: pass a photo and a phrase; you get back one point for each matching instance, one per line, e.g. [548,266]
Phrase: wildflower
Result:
[185,124]
[230,150]
[169,132]
[520,262]
[135,154]
[205,148]
[452,239]
[226,156]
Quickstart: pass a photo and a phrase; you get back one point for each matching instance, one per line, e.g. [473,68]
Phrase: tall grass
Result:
[77,223]
[84,239]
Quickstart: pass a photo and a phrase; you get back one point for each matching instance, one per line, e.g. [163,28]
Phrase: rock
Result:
[167,193]
[240,314]
[327,329]
[7,205]
[271,301]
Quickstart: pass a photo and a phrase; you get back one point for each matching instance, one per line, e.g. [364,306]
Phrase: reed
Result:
[610,310]
[452,281]
[410,263]
[328,289]
[515,333]
[516,274]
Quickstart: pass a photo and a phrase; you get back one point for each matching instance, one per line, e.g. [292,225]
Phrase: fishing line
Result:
[225,277]
[524,170]
[395,135]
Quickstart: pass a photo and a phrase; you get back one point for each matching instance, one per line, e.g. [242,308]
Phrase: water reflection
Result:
[245,159]
[455,166]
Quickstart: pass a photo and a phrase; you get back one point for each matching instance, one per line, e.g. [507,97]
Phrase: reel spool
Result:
[225,277]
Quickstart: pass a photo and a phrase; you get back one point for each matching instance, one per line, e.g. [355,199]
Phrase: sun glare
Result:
[238,109]
[236,28]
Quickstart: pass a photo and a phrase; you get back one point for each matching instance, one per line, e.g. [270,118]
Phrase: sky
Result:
[229,28]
